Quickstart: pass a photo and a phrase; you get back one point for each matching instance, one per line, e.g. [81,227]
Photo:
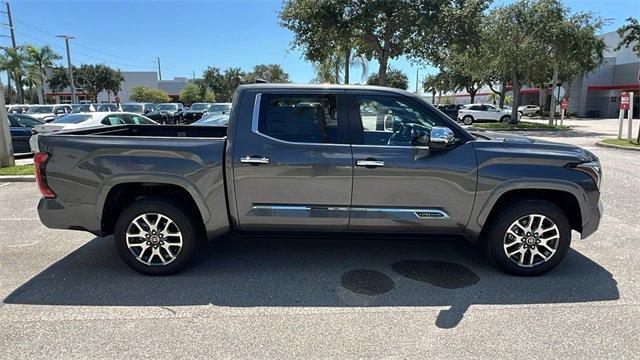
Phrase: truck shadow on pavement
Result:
[325,272]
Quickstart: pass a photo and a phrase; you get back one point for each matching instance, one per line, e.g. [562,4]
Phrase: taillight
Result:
[39,162]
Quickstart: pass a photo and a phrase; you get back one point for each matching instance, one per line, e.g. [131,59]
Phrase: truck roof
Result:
[268,86]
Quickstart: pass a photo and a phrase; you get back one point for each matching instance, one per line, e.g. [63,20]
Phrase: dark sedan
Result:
[167,113]
[20,128]
[451,110]
[195,112]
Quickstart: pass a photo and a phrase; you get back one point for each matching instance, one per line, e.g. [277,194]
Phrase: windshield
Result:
[107,107]
[72,119]
[220,120]
[199,106]
[220,108]
[40,110]
[132,107]
[82,108]
[23,121]
[166,107]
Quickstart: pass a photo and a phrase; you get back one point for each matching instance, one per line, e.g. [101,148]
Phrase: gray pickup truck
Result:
[318,159]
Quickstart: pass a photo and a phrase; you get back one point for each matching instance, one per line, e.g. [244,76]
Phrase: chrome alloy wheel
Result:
[154,239]
[531,240]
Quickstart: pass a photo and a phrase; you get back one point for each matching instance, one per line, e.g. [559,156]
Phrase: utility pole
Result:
[159,69]
[6,150]
[194,74]
[19,91]
[417,81]
[73,87]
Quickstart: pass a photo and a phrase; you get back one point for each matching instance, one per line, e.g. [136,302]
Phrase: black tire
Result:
[500,224]
[467,120]
[506,119]
[179,214]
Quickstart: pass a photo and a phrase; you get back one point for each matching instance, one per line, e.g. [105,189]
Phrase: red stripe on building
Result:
[613,87]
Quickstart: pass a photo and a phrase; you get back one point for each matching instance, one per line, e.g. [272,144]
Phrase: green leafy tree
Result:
[213,79]
[437,83]
[58,78]
[40,60]
[14,62]
[630,34]
[395,78]
[272,73]
[92,79]
[231,79]
[148,94]
[192,93]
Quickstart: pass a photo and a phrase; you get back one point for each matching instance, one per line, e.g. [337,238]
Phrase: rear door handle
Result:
[370,163]
[254,160]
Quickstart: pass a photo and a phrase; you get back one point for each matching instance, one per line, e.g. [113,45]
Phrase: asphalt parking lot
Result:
[67,294]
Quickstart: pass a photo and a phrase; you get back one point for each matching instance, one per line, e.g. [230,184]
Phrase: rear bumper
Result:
[58,214]
[595,214]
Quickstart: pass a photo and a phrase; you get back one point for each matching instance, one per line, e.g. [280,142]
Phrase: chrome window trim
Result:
[254,127]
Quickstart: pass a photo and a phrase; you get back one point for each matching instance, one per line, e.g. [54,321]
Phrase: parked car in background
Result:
[20,126]
[83,120]
[219,109]
[81,108]
[213,120]
[167,113]
[309,158]
[16,108]
[138,108]
[529,110]
[48,113]
[195,112]
[450,109]
[470,113]
[104,107]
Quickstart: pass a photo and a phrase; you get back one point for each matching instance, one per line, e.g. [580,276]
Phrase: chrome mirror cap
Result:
[440,137]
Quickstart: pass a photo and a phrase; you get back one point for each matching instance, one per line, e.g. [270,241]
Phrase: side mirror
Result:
[440,137]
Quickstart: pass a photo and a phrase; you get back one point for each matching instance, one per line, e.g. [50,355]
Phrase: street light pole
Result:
[73,87]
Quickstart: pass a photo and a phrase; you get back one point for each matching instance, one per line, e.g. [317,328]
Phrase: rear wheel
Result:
[529,238]
[156,237]
[467,120]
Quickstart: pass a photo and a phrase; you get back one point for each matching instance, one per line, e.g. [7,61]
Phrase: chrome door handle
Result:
[370,163]
[254,160]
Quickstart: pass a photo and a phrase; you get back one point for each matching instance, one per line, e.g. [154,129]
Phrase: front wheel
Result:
[155,236]
[529,238]
[506,119]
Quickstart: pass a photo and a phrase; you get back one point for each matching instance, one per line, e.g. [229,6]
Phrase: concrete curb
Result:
[17,178]
[612,146]
[510,130]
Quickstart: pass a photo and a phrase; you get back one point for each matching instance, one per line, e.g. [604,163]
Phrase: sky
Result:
[189,36]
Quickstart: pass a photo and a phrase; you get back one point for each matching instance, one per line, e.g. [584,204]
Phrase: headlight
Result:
[592,168]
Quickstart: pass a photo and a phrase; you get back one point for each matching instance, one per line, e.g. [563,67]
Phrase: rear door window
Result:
[301,118]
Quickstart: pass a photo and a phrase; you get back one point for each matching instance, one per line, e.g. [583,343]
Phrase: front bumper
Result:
[595,214]
[58,214]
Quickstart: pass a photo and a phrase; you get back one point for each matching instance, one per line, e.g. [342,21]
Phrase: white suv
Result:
[529,110]
[474,112]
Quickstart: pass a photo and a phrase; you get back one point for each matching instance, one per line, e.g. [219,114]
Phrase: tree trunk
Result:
[503,92]
[542,97]
[552,103]
[19,89]
[347,65]
[472,95]
[433,97]
[337,72]
[516,95]
[382,71]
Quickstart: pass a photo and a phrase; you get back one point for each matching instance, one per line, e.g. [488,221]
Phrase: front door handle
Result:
[370,163]
[254,160]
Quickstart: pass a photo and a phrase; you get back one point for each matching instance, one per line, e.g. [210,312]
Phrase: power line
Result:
[87,47]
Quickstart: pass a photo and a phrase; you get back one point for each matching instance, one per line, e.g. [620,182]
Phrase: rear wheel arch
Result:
[119,196]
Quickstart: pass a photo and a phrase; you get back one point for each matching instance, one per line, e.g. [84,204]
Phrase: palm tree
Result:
[13,61]
[39,60]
